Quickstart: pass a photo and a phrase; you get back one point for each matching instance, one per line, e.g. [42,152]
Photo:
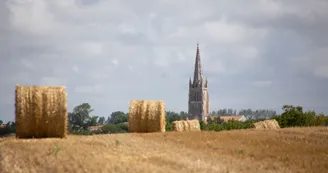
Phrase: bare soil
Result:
[284,150]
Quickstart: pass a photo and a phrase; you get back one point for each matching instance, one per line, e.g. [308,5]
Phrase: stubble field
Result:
[285,150]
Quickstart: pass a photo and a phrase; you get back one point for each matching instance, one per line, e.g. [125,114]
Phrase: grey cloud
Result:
[260,54]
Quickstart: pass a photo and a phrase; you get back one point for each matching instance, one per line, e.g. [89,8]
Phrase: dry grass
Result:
[41,111]
[267,124]
[186,125]
[281,150]
[146,116]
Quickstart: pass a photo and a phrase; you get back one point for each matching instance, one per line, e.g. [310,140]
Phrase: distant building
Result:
[95,128]
[198,102]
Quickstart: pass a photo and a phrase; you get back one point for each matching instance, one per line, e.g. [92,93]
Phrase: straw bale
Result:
[267,124]
[146,116]
[186,125]
[41,111]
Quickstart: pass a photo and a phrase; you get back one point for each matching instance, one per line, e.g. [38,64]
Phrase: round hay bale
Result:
[146,116]
[186,125]
[41,111]
[267,124]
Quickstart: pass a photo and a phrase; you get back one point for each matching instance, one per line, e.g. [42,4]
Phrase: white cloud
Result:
[75,69]
[269,8]
[92,48]
[215,66]
[225,32]
[247,52]
[264,83]
[181,56]
[313,61]
[114,62]
[130,67]
[53,81]
[91,89]
[321,71]
[32,17]
[162,56]
[127,28]
[29,65]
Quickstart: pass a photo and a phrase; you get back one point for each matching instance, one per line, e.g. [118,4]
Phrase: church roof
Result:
[198,73]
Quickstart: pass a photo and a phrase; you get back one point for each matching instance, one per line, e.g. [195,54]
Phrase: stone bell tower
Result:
[198,103]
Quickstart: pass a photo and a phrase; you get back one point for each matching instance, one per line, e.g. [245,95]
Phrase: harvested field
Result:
[280,150]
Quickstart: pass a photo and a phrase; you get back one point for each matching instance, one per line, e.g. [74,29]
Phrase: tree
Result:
[213,113]
[183,115]
[118,117]
[93,121]
[8,129]
[114,128]
[80,117]
[108,120]
[230,112]
[172,116]
[1,121]
[101,120]
[215,120]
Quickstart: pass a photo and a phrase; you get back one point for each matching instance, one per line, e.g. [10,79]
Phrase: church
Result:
[198,102]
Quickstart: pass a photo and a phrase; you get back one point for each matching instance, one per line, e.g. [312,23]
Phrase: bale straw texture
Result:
[267,124]
[146,116]
[41,111]
[188,125]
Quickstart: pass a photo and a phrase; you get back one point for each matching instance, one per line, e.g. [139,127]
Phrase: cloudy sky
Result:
[256,54]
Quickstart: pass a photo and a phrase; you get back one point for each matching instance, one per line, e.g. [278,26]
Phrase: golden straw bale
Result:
[186,125]
[267,124]
[146,116]
[41,111]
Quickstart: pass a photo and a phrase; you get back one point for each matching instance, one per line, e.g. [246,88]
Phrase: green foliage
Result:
[101,120]
[225,112]
[1,122]
[93,121]
[168,126]
[202,125]
[172,116]
[106,129]
[249,113]
[80,117]
[295,117]
[117,118]
[114,128]
[218,124]
[183,115]
[217,120]
[10,128]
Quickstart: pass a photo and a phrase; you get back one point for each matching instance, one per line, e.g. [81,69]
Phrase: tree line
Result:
[248,113]
[292,116]
[82,118]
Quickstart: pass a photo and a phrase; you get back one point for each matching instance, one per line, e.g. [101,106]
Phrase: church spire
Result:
[198,68]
